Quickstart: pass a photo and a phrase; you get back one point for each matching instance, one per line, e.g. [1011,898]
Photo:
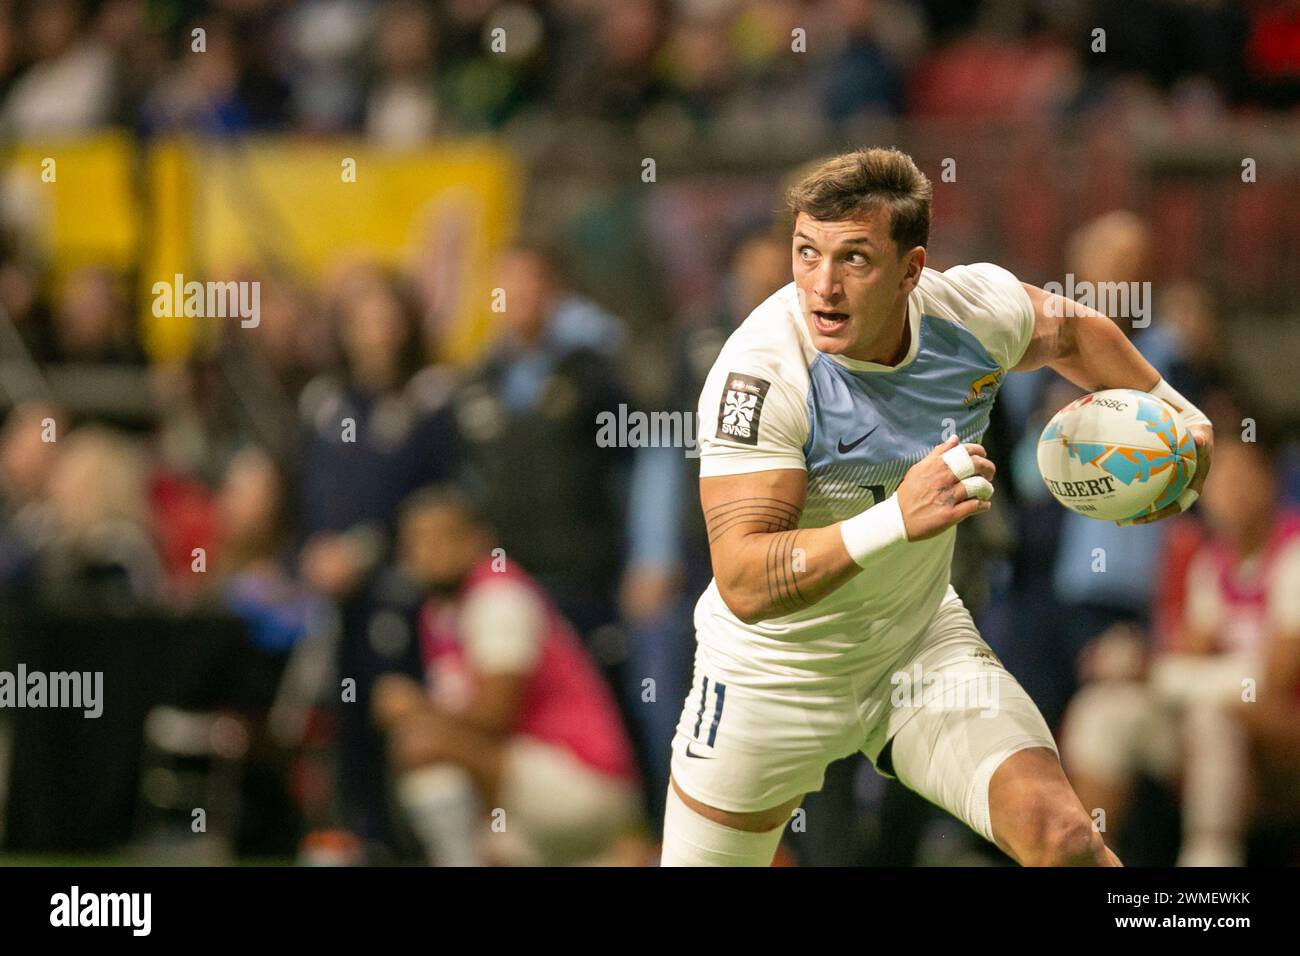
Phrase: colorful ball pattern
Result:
[1116,454]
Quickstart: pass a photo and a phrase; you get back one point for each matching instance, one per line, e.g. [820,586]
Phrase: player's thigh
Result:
[959,715]
[747,749]
[949,755]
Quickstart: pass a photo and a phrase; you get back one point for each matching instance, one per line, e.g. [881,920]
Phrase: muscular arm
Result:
[1090,350]
[1085,347]
[764,567]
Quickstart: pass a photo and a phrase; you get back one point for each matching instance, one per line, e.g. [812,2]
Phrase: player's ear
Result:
[915,263]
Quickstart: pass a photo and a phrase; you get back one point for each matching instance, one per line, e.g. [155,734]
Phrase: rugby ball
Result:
[1116,454]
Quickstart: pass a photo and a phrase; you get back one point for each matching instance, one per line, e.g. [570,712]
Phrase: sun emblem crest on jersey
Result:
[742,403]
[984,387]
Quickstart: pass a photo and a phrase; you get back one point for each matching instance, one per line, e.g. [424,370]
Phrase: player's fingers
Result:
[1204,454]
[971,506]
[1168,511]
[974,449]
[984,467]
[942,447]
[977,487]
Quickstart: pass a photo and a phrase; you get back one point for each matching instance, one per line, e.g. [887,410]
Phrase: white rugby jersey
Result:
[773,401]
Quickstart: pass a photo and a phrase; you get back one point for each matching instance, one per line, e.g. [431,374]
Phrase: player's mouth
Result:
[828,322]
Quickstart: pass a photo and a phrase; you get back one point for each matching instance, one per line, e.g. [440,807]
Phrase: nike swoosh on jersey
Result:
[845,449]
[696,756]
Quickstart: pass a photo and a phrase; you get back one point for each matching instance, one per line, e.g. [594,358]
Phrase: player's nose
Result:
[825,283]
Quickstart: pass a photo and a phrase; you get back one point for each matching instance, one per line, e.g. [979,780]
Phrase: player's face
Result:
[853,283]
[439,547]
[1241,518]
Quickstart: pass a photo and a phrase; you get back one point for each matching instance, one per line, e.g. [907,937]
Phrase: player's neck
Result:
[894,346]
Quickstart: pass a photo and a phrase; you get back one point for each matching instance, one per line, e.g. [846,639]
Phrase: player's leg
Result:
[1217,786]
[696,834]
[743,757]
[1113,730]
[1036,817]
[971,741]
[447,772]
[554,810]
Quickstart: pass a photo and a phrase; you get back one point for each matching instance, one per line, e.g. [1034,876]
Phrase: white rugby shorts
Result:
[748,741]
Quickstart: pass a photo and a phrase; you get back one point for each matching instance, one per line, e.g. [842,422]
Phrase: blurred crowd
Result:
[314,526]
[403,71]
[328,480]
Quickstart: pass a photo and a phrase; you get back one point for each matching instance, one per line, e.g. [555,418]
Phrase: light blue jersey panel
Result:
[868,428]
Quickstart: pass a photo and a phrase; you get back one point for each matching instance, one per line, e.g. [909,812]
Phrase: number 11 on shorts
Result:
[719,696]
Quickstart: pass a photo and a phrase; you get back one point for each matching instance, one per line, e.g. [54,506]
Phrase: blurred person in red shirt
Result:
[515,752]
[1228,668]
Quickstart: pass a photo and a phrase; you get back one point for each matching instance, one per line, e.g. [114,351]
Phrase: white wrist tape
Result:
[1191,414]
[873,530]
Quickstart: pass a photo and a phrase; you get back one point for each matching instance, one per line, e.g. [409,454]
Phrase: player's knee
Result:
[759,821]
[1069,839]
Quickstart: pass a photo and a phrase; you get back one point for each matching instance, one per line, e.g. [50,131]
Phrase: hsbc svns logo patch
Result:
[742,403]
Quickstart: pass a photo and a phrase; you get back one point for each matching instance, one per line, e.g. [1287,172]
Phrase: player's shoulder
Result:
[753,406]
[772,342]
[987,300]
[960,291]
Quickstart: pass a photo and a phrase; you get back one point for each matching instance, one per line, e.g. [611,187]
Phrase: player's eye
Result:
[807,253]
[856,259]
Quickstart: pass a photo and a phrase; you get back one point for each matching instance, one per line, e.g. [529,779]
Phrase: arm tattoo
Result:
[751,514]
[777,518]
[782,587]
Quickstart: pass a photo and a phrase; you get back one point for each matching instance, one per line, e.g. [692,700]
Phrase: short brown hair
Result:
[850,184]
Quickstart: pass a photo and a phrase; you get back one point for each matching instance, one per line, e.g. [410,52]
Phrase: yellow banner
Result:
[229,211]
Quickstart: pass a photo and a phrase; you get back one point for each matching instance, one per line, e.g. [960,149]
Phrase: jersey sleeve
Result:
[751,419]
[502,624]
[995,307]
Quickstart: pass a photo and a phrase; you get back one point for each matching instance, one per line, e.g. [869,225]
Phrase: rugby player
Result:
[839,434]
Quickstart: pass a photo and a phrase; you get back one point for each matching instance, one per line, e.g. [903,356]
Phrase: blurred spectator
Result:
[1192,314]
[22,300]
[862,79]
[373,434]
[327,40]
[527,421]
[28,451]
[1182,715]
[254,538]
[101,556]
[69,86]
[607,69]
[201,92]
[516,716]
[402,108]
[90,321]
